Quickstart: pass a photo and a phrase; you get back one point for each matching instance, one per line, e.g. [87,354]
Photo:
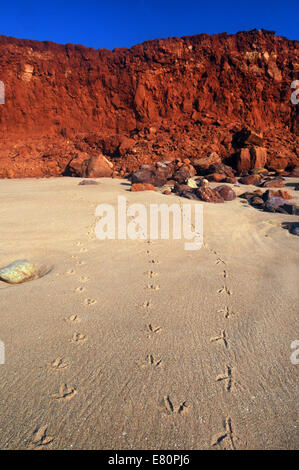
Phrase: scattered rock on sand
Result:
[291,209]
[259,171]
[217,177]
[191,196]
[164,169]
[208,194]
[278,204]
[142,187]
[273,203]
[192,183]
[281,194]
[201,181]
[221,169]
[87,182]
[250,180]
[292,227]
[182,189]
[258,192]
[149,174]
[231,180]
[226,192]
[167,191]
[18,272]
[145,174]
[274,183]
[295,172]
[184,173]
[257,201]
[206,162]
[247,195]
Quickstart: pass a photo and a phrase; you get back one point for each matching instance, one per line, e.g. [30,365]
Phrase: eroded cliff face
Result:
[163,99]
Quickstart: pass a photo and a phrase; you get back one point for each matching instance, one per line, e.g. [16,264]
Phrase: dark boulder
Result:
[209,195]
[226,192]
[184,173]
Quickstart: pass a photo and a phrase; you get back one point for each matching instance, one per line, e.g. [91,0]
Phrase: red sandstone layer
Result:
[160,100]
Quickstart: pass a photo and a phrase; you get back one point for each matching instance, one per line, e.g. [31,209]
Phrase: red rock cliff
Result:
[177,97]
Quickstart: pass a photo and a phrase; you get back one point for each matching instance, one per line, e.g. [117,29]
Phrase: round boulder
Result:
[226,192]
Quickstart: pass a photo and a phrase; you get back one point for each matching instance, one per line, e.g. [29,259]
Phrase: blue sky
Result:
[115,23]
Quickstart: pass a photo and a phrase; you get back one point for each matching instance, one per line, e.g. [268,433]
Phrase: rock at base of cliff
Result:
[226,192]
[136,187]
[97,166]
[209,195]
[252,157]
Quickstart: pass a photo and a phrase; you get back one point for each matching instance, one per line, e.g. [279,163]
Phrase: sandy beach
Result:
[141,344]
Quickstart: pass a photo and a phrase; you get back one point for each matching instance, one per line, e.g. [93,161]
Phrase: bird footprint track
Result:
[65,393]
[153,287]
[89,302]
[224,290]
[227,313]
[151,274]
[147,304]
[150,361]
[79,290]
[153,330]
[70,272]
[169,408]
[40,438]
[227,378]
[78,338]
[72,319]
[226,435]
[221,337]
[58,364]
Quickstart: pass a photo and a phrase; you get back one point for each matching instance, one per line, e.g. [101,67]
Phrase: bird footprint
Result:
[65,393]
[40,437]
[89,302]
[78,338]
[72,319]
[80,289]
[58,364]
[169,408]
[150,361]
